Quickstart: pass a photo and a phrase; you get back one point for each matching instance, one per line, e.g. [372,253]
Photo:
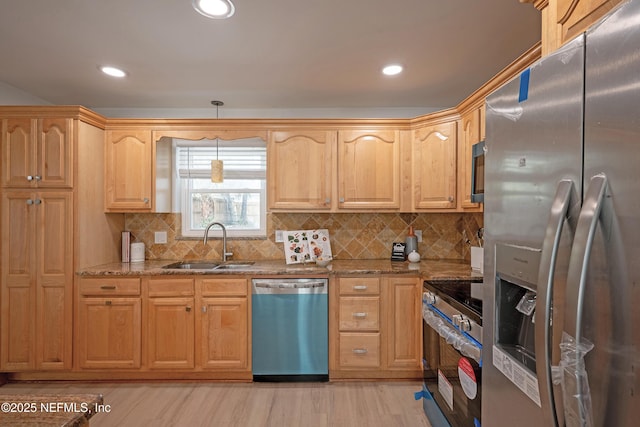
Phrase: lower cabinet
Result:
[108,323]
[223,324]
[162,324]
[170,326]
[377,330]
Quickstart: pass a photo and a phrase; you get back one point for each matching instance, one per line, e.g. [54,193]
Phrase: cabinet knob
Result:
[38,178]
[341,199]
[146,200]
[29,178]
[29,201]
[450,198]
[187,309]
[327,201]
[37,201]
[107,302]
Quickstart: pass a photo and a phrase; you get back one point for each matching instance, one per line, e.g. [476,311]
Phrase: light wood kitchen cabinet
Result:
[471,125]
[300,169]
[562,20]
[404,301]
[359,323]
[434,166]
[223,324]
[170,327]
[369,169]
[37,152]
[108,323]
[128,171]
[37,271]
[376,331]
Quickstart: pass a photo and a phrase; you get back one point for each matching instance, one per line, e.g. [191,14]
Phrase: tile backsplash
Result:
[353,236]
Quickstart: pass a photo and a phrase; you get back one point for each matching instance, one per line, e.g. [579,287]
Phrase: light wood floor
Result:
[370,404]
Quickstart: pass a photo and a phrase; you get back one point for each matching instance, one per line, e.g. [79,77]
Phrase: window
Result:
[239,202]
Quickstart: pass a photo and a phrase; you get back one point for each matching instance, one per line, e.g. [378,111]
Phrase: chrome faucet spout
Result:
[225,254]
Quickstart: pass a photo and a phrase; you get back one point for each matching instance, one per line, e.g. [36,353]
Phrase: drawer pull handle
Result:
[361,315]
[108,287]
[360,287]
[360,351]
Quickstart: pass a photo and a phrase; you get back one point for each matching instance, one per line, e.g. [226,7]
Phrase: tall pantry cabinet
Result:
[51,173]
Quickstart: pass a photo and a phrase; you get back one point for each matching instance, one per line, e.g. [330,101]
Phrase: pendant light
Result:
[216,165]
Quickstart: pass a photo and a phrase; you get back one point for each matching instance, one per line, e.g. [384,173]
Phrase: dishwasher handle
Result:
[289,286]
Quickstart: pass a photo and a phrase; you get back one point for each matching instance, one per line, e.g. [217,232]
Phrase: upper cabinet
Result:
[434,166]
[369,169]
[128,174]
[562,20]
[37,153]
[300,168]
[471,132]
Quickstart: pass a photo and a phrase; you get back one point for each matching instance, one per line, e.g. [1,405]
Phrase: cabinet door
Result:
[301,168]
[404,340]
[54,283]
[170,333]
[434,179]
[37,153]
[470,134]
[18,152]
[128,171]
[369,169]
[224,333]
[36,280]
[18,282]
[109,331]
[54,159]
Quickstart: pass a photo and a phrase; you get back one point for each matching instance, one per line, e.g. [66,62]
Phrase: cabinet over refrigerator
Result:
[561,328]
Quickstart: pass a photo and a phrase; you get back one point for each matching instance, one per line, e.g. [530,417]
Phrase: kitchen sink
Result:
[193,265]
[208,265]
[234,266]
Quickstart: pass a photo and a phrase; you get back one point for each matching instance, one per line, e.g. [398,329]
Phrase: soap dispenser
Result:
[411,242]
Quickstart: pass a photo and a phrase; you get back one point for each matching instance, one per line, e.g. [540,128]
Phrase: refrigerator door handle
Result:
[560,210]
[578,411]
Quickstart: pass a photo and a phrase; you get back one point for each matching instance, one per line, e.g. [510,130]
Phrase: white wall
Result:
[11,95]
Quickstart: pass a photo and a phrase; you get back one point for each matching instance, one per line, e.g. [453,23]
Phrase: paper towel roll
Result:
[137,252]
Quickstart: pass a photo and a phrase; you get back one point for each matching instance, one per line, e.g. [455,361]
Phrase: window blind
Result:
[246,159]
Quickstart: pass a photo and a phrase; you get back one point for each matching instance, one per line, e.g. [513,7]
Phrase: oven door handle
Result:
[561,208]
[457,338]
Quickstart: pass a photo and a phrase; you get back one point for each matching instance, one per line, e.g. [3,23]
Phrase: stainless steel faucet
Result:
[225,254]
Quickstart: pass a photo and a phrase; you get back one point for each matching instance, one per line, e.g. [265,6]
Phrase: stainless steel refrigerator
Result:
[562,228]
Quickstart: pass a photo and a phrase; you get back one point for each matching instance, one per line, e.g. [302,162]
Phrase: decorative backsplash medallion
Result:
[353,236]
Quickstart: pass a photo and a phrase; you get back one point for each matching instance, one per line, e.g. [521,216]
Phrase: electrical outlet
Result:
[418,234]
[160,237]
[279,236]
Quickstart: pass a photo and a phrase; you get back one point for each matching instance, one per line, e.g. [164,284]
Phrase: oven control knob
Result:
[429,298]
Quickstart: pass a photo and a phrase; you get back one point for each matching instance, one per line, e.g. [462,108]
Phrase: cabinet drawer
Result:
[359,350]
[170,287]
[223,287]
[360,313]
[110,286]
[359,286]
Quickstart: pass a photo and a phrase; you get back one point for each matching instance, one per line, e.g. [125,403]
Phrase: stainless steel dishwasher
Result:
[290,329]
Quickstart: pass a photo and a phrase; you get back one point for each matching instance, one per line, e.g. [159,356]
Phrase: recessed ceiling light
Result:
[392,70]
[216,9]
[112,71]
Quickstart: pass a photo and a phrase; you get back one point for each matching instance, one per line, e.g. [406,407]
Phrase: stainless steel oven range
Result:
[452,353]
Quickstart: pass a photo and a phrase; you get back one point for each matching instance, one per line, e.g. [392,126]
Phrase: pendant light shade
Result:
[216,171]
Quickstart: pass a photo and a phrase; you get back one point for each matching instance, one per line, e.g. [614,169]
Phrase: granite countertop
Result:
[427,269]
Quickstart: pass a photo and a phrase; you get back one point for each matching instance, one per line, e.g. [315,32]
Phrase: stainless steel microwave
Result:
[477,172]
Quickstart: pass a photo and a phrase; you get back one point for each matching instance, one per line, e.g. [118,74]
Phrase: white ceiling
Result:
[272,54]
